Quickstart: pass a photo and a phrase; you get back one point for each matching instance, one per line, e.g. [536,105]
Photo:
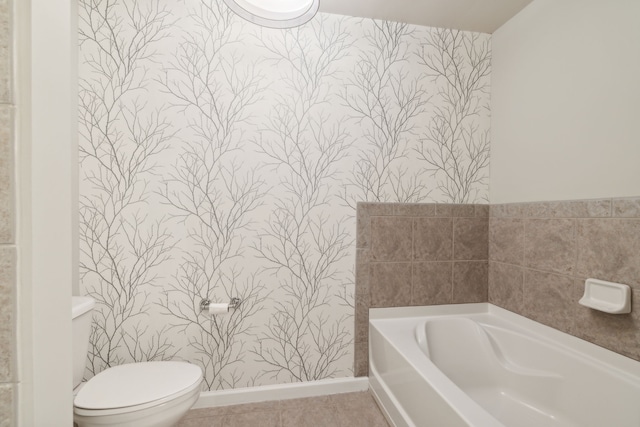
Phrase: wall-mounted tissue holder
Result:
[219,308]
[614,298]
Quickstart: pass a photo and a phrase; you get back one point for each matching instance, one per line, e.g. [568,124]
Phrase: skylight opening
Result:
[275,13]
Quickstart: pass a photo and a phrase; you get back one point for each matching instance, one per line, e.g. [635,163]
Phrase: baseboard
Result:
[210,399]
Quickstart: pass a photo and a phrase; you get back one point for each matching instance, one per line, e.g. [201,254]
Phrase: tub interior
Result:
[480,365]
[515,392]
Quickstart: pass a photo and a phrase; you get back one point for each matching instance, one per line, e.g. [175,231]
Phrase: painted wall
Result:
[220,159]
[564,102]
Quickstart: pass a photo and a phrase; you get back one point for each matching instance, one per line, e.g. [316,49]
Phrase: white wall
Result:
[566,102]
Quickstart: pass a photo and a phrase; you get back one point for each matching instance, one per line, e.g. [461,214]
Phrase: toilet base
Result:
[164,415]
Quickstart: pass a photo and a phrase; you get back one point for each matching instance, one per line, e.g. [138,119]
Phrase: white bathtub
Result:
[479,365]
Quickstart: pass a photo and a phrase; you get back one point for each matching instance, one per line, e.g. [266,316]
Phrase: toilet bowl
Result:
[149,394]
[145,394]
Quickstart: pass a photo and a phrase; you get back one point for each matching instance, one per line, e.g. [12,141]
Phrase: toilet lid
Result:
[136,384]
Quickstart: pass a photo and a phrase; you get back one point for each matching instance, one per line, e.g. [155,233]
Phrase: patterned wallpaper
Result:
[222,159]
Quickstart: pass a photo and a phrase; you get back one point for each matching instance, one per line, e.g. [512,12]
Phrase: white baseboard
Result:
[210,399]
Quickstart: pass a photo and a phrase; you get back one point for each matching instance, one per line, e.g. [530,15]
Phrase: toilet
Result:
[145,394]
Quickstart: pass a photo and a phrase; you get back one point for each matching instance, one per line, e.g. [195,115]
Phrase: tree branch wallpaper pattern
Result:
[222,159]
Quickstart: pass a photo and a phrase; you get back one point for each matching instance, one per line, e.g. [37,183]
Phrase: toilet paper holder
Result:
[233,304]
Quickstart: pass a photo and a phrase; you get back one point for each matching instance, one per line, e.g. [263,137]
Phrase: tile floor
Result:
[338,410]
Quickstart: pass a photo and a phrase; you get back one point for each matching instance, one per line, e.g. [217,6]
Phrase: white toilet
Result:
[147,394]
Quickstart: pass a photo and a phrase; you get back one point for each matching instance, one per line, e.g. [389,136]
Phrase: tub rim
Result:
[617,362]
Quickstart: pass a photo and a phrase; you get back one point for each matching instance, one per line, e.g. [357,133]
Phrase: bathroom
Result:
[557,132]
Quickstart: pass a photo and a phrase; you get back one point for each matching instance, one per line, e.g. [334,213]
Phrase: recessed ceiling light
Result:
[275,13]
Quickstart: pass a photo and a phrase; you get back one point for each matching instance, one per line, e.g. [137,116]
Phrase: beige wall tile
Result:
[455,210]
[391,239]
[7,313]
[364,212]
[470,239]
[599,208]
[361,359]
[363,226]
[432,283]
[463,211]
[514,210]
[377,209]
[470,281]
[390,284]
[7,199]
[7,221]
[444,210]
[432,239]
[626,208]
[498,211]
[6,63]
[550,245]
[362,271]
[361,329]
[7,410]
[505,286]
[617,332]
[535,210]
[482,211]
[415,209]
[509,210]
[506,240]
[609,249]
[550,299]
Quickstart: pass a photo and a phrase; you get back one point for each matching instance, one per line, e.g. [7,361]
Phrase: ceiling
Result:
[484,16]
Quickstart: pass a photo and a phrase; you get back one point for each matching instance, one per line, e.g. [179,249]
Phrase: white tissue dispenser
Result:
[609,297]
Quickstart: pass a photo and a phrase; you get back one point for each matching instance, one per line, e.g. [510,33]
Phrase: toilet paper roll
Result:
[218,308]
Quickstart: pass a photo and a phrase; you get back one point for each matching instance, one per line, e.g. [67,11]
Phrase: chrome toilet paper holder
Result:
[233,304]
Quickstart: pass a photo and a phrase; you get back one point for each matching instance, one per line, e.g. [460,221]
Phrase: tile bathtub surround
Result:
[541,253]
[338,410]
[417,254]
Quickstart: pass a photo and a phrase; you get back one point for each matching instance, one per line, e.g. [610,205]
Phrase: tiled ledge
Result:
[425,210]
[591,208]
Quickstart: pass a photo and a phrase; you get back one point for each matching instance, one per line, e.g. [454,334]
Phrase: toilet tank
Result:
[81,308]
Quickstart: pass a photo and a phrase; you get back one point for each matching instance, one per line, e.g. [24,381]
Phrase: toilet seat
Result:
[136,386]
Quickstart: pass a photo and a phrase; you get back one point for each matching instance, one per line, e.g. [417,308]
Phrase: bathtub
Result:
[479,365]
